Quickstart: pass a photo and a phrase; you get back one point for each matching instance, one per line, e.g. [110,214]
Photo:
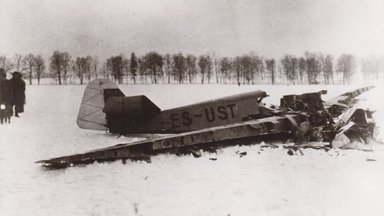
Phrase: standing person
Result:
[6,92]
[2,85]
[18,86]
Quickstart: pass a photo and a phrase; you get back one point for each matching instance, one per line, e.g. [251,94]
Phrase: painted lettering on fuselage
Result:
[209,114]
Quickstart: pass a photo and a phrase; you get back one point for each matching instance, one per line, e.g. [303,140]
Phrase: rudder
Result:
[91,115]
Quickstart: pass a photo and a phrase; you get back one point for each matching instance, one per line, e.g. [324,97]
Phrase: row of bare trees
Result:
[33,66]
[311,68]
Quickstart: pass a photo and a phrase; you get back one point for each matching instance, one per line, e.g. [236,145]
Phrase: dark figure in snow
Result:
[18,93]
[6,93]
[6,97]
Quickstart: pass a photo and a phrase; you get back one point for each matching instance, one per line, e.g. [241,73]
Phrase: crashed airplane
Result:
[241,118]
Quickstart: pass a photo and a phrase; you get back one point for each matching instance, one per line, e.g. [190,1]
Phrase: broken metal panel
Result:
[336,110]
[353,126]
[303,102]
[356,115]
[347,134]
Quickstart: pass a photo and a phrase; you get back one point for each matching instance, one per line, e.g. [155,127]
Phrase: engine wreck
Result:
[300,119]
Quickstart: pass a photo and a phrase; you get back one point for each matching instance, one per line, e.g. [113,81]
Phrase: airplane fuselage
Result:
[223,111]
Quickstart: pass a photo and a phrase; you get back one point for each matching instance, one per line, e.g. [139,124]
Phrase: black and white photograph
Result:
[191,107]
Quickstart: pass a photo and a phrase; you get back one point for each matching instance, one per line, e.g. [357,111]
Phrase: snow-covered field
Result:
[264,182]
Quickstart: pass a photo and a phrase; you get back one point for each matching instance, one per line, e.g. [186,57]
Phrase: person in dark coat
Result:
[6,97]
[2,85]
[6,91]
[18,86]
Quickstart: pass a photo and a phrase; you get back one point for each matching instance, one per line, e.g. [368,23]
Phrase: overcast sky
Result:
[267,27]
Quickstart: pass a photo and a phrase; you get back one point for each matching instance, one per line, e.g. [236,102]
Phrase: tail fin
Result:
[91,115]
[105,107]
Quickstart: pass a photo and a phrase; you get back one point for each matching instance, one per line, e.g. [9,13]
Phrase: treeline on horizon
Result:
[154,68]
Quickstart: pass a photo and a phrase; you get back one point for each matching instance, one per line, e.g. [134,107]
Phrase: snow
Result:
[266,181]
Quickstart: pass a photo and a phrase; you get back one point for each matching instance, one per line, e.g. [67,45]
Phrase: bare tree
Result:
[203,65]
[191,67]
[142,70]
[153,63]
[29,62]
[117,65]
[258,67]
[179,67]
[56,64]
[5,63]
[88,69]
[370,69]
[81,66]
[95,66]
[290,66]
[133,67]
[302,69]
[209,68]
[225,69]
[18,62]
[168,71]
[346,64]
[246,68]
[215,64]
[237,67]
[126,68]
[40,67]
[65,60]
[313,67]
[107,68]
[117,69]
[328,69]
[271,68]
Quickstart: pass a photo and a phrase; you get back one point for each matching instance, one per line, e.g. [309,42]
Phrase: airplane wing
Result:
[348,99]
[272,128]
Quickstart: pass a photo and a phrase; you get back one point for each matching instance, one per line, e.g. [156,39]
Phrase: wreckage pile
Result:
[337,121]
[299,118]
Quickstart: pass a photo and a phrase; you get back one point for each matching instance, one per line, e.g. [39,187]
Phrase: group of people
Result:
[12,92]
